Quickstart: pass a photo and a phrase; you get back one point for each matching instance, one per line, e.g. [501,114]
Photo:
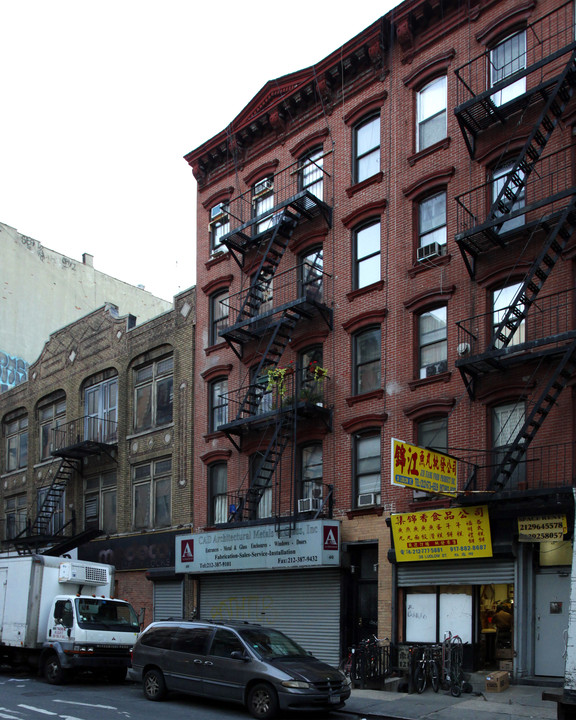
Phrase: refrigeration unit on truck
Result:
[58,614]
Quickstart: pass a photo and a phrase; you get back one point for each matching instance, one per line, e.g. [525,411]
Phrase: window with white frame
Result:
[312,173]
[367,148]
[153,394]
[432,342]
[502,300]
[218,411]
[219,226]
[15,515]
[262,203]
[507,421]
[499,178]
[310,389]
[219,314]
[218,493]
[311,277]
[367,255]
[506,60]
[431,113]
[100,503]
[311,472]
[151,485]
[367,473]
[50,418]
[16,434]
[432,224]
[366,356]
[433,434]
[101,411]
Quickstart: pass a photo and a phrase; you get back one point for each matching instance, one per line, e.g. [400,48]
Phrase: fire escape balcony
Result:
[84,437]
[252,222]
[535,202]
[518,77]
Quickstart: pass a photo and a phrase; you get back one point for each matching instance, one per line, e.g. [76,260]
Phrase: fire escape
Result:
[72,443]
[533,201]
[262,321]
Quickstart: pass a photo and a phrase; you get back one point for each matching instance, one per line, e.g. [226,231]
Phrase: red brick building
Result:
[385,251]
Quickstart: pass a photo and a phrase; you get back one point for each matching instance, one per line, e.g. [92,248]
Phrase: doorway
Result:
[552,604]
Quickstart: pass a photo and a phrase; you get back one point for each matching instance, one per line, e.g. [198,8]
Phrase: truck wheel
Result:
[262,701]
[154,685]
[53,672]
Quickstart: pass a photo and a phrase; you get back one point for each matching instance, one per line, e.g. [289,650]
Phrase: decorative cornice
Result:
[216,371]
[367,106]
[364,422]
[223,281]
[309,142]
[428,408]
[364,212]
[218,197]
[429,297]
[429,69]
[267,168]
[426,183]
[370,317]
[505,23]
[216,456]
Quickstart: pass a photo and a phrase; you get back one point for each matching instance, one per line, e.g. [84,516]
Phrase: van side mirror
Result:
[238,655]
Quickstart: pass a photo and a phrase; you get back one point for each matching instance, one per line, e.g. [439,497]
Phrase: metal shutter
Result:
[168,599]
[456,573]
[303,604]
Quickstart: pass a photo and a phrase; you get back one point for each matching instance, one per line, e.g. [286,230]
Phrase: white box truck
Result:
[57,614]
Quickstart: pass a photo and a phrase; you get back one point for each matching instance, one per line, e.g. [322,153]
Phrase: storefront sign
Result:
[312,544]
[540,528]
[451,534]
[422,469]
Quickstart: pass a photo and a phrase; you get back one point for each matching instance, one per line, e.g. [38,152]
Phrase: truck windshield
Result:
[106,614]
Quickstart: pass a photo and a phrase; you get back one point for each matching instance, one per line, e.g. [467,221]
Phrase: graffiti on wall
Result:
[13,371]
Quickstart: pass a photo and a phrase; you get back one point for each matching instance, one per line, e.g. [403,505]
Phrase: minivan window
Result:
[192,640]
[160,637]
[267,643]
[225,642]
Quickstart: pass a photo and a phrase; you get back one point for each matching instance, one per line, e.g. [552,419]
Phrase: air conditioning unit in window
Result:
[309,504]
[436,368]
[218,212]
[263,187]
[365,499]
[427,252]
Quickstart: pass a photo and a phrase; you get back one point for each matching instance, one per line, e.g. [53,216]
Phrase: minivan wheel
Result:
[262,701]
[154,685]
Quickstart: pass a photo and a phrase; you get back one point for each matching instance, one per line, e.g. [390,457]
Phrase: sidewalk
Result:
[517,701]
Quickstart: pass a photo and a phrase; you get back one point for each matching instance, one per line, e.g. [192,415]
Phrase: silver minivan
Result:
[240,662]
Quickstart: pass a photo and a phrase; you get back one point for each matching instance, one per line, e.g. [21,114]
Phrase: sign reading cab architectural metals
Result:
[422,469]
[442,534]
[312,544]
[540,528]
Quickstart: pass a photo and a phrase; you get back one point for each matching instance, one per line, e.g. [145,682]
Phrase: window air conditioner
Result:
[436,368]
[218,212]
[263,186]
[365,499]
[427,252]
[309,504]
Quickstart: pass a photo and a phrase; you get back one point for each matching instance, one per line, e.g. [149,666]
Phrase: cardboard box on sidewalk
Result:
[497,681]
[507,665]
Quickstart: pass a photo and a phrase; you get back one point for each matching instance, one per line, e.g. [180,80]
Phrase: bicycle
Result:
[452,665]
[427,668]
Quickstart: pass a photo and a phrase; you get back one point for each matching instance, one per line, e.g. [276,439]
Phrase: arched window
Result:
[431,113]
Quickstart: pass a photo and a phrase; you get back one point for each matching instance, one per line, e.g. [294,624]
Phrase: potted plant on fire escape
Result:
[312,390]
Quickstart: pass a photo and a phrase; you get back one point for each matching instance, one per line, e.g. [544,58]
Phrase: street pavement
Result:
[516,701]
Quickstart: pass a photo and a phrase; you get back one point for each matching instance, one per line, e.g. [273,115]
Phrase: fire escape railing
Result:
[88,432]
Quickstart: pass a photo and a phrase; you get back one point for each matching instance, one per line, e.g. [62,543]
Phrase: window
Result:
[502,299]
[312,174]
[432,223]
[152,494]
[50,417]
[262,397]
[261,485]
[507,420]
[367,255]
[218,489]
[312,275]
[262,293]
[101,411]
[100,503]
[367,149]
[311,469]
[16,432]
[432,342]
[219,226]
[154,393]
[310,389]
[56,521]
[432,434]
[218,411]
[499,178]
[225,642]
[431,113]
[367,469]
[263,202]
[506,59]
[367,361]
[15,515]
[219,311]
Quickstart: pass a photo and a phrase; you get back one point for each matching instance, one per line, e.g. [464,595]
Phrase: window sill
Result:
[376,510]
[374,287]
[425,265]
[14,473]
[149,431]
[441,377]
[373,180]
[373,395]
[440,145]
[217,258]
[213,435]
[215,348]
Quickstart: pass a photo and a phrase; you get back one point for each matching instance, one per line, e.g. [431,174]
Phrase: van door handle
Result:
[198,662]
[208,662]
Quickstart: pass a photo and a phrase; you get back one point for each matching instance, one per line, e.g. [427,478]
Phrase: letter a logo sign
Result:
[187,550]
[331,538]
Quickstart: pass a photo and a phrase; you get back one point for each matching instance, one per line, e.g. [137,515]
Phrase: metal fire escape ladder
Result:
[533,422]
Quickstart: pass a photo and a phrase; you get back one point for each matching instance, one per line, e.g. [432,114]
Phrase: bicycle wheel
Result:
[420,678]
[435,676]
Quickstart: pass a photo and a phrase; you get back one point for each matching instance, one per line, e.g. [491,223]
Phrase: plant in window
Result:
[277,378]
[318,372]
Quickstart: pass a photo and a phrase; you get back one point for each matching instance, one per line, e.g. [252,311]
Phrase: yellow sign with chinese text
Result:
[422,469]
[541,528]
[442,534]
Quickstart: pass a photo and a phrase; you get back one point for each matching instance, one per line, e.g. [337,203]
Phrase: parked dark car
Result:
[241,662]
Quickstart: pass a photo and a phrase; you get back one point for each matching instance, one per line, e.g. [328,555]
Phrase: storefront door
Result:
[552,603]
